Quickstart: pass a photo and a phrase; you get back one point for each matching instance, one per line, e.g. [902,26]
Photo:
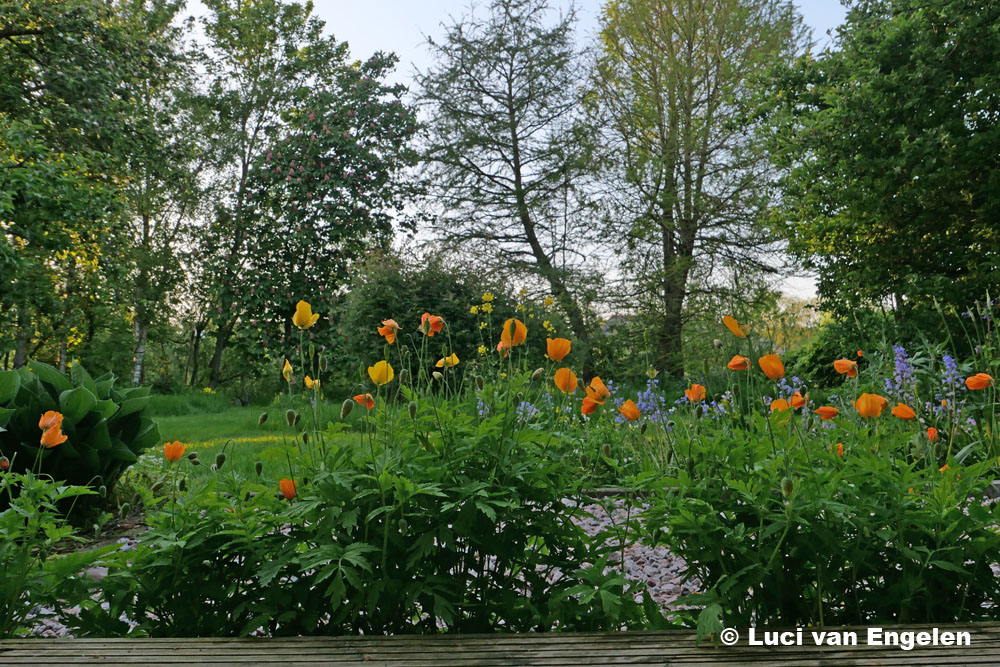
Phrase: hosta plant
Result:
[76,428]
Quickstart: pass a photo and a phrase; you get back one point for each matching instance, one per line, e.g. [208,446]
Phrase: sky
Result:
[403,26]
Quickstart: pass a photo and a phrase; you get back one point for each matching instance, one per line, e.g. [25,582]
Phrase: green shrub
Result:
[30,528]
[786,532]
[105,427]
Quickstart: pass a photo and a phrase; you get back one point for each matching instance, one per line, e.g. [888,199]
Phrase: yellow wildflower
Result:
[483,349]
[548,301]
[474,310]
[487,297]
[487,307]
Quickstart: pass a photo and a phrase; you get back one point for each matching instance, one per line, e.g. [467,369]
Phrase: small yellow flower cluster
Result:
[548,326]
[549,301]
[487,308]
[474,310]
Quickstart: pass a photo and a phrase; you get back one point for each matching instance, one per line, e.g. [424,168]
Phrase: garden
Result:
[358,371]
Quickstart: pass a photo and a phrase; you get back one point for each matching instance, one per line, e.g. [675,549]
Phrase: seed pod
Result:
[437,375]
[479,382]
[124,510]
[258,468]
[220,460]
[305,438]
[537,375]
[346,407]
[298,418]
[290,417]
[404,376]
[196,462]
[403,525]
[182,485]
[261,419]
[102,491]
[412,409]
[787,486]
[193,455]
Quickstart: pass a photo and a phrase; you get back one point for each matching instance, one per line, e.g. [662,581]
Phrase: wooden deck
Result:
[624,648]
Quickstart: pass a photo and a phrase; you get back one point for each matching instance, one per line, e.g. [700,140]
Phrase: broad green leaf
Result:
[50,376]
[75,403]
[82,378]
[10,382]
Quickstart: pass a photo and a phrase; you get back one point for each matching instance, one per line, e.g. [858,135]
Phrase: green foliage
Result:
[31,526]
[106,427]
[447,520]
[871,537]
[887,142]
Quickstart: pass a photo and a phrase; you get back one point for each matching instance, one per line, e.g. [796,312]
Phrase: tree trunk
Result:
[21,337]
[194,359]
[62,357]
[140,334]
[221,340]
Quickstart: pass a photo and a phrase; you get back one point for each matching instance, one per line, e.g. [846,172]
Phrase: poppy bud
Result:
[182,485]
[690,467]
[322,364]
[537,375]
[213,467]
[346,407]
[580,384]
[261,419]
[787,486]
[717,342]
[258,468]
[196,462]
[642,430]
[193,455]
[404,376]
[479,382]
[584,460]
[220,460]
[412,409]
[698,410]
[607,450]
[102,491]
[437,375]
[124,510]
[403,525]
[4,463]
[305,438]
[298,418]
[290,417]
[404,349]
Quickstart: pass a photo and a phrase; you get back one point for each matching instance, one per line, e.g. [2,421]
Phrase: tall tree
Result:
[890,148]
[316,145]
[504,151]
[671,85]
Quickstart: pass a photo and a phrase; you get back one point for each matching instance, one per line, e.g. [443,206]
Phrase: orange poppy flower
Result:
[589,405]
[431,324]
[52,437]
[287,487]
[565,380]
[173,451]
[979,381]
[50,419]
[846,366]
[903,412]
[734,326]
[597,391]
[840,449]
[870,405]
[695,393]
[738,363]
[860,354]
[513,334]
[798,400]
[827,412]
[388,330]
[629,410]
[772,366]
[779,405]
[932,434]
[366,400]
[557,348]
[944,467]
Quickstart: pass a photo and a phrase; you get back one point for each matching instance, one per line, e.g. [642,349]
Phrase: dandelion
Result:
[304,317]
